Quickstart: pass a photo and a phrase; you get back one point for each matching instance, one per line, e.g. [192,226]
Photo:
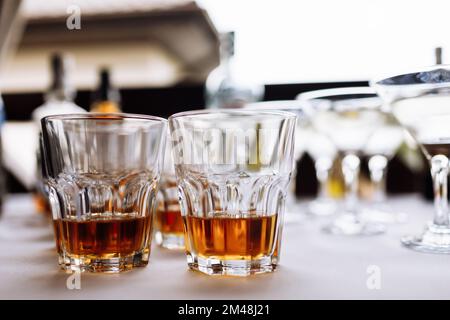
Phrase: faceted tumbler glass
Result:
[102,172]
[233,169]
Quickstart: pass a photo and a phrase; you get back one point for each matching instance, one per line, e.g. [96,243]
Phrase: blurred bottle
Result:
[438,55]
[60,95]
[106,98]
[224,87]
[58,100]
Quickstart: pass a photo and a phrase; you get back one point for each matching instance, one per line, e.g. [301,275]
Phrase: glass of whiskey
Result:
[102,173]
[168,223]
[169,227]
[233,169]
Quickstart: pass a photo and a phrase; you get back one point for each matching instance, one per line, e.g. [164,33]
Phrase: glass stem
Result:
[323,166]
[439,172]
[350,169]
[378,169]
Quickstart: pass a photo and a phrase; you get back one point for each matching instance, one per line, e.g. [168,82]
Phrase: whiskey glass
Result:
[420,101]
[233,169]
[102,175]
[348,117]
[168,224]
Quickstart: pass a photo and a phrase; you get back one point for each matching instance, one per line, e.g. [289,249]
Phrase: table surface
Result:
[313,265]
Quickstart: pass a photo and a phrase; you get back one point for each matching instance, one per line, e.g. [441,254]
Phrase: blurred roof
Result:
[48,9]
[147,43]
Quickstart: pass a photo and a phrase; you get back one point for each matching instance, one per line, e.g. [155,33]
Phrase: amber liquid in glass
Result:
[228,238]
[169,219]
[106,237]
[41,203]
[58,235]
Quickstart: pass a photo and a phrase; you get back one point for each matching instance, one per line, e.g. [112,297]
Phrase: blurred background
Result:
[160,57]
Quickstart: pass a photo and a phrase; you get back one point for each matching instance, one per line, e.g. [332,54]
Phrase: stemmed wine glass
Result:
[380,149]
[420,101]
[323,151]
[349,117]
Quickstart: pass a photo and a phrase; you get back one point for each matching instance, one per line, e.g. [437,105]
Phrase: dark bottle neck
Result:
[105,91]
[60,88]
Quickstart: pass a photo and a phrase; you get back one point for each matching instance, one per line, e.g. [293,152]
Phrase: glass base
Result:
[63,261]
[294,217]
[322,207]
[349,225]
[383,215]
[435,239]
[169,240]
[239,268]
[78,263]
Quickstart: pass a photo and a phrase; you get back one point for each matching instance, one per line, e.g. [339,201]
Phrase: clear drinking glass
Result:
[169,228]
[349,117]
[380,149]
[420,101]
[323,151]
[102,174]
[233,169]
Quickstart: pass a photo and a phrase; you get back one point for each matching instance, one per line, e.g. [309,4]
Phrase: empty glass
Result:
[380,149]
[420,101]
[102,175]
[233,169]
[348,117]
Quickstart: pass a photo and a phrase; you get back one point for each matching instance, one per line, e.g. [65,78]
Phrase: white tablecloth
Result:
[313,265]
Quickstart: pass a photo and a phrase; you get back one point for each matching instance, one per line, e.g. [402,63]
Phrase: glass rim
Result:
[102,116]
[342,91]
[267,105]
[235,111]
[376,82]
